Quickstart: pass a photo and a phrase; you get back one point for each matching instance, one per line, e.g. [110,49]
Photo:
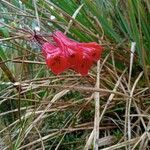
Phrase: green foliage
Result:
[2,53]
[4,32]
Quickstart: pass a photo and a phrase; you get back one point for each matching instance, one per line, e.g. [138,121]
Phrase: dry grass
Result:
[108,109]
[130,122]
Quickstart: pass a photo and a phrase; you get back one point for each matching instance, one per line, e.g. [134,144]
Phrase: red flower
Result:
[66,53]
[55,58]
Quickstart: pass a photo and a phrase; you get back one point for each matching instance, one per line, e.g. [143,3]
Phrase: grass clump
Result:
[39,110]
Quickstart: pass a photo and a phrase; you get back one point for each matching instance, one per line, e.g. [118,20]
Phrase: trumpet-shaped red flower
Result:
[55,58]
[66,53]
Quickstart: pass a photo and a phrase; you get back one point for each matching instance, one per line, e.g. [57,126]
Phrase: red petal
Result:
[84,65]
[57,63]
[62,40]
[93,49]
[73,57]
[47,48]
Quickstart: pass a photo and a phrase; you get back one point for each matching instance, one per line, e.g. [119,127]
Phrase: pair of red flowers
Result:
[68,54]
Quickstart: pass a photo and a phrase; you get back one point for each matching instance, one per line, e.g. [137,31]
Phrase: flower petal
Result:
[73,57]
[93,49]
[84,65]
[57,63]
[48,48]
[62,40]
